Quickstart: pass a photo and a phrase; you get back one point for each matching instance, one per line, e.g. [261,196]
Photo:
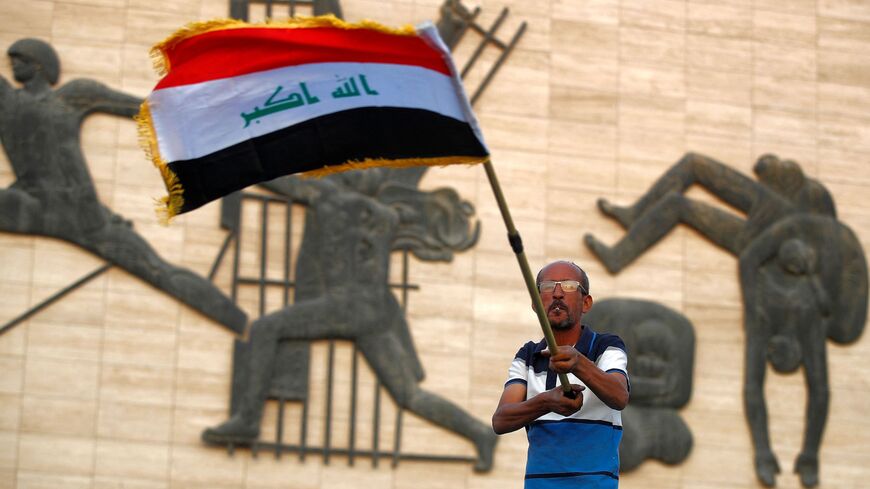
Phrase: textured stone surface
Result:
[758,76]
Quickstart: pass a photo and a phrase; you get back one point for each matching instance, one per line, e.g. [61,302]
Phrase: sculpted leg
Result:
[722,228]
[391,364]
[19,212]
[308,320]
[816,371]
[121,245]
[766,465]
[724,182]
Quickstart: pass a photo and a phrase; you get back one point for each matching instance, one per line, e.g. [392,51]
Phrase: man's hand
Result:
[565,360]
[559,403]
[611,388]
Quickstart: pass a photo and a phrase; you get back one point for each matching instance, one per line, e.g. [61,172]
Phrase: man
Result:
[573,442]
[53,194]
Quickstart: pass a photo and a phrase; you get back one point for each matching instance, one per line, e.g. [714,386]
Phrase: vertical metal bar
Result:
[292,8]
[268,9]
[498,63]
[239,9]
[303,431]
[327,433]
[376,423]
[287,244]
[405,263]
[220,257]
[279,431]
[234,290]
[264,234]
[351,442]
[397,438]
[486,38]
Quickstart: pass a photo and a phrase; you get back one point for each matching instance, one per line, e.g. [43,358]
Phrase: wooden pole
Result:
[517,245]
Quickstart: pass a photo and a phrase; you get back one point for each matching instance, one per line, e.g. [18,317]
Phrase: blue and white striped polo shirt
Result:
[581,450]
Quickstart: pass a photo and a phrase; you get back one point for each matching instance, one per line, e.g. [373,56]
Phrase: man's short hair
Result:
[584,279]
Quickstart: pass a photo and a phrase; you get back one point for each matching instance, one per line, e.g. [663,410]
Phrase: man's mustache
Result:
[557,303]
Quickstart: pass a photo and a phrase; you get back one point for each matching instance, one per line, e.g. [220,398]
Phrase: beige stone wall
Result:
[111,386]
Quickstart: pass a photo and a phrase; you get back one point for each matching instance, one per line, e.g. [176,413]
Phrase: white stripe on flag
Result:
[192,121]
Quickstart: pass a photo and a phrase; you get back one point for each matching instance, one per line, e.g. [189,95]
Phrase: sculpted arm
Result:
[300,190]
[514,411]
[92,96]
[5,90]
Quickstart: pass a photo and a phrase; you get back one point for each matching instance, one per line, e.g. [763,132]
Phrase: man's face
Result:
[23,69]
[563,309]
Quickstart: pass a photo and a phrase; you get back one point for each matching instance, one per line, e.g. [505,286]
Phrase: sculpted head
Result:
[432,224]
[783,176]
[32,57]
[563,304]
[796,257]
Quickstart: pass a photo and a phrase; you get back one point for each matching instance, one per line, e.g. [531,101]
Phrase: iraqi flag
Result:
[240,104]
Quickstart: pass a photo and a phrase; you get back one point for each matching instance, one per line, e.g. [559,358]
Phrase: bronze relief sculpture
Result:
[54,195]
[353,221]
[661,342]
[803,275]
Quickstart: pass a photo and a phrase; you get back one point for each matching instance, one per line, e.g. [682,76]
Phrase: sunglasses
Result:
[567,286]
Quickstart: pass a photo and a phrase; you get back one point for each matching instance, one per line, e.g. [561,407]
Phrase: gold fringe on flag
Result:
[170,205]
[401,163]
[161,61]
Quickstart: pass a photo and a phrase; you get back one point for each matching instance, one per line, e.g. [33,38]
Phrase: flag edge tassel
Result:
[392,163]
[170,205]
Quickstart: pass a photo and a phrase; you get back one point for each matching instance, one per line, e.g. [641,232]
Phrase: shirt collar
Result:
[583,343]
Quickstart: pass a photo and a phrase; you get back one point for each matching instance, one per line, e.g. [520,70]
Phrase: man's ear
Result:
[587,303]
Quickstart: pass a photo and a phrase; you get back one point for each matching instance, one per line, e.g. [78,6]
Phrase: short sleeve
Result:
[518,371]
[614,359]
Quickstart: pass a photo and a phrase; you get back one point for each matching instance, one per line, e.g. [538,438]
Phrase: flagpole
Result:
[517,245]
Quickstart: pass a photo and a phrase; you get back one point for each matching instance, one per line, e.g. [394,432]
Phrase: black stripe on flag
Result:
[388,133]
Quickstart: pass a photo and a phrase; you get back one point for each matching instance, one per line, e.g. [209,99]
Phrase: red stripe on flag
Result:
[233,52]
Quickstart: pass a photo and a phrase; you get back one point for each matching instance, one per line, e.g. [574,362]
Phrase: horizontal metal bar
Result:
[490,34]
[284,2]
[267,281]
[501,59]
[360,453]
[266,198]
[272,281]
[487,39]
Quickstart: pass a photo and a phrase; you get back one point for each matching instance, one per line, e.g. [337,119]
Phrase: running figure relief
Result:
[53,194]
[803,275]
[353,221]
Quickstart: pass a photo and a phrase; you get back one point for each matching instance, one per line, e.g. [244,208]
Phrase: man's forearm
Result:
[611,388]
[511,417]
